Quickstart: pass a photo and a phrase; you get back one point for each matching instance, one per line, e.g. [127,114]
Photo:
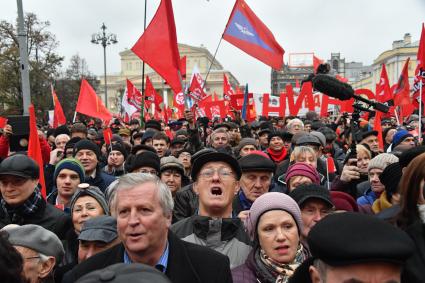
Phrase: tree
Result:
[68,86]
[44,65]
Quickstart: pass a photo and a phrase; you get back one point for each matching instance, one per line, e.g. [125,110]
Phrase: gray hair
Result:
[300,150]
[60,136]
[321,268]
[131,180]
[293,121]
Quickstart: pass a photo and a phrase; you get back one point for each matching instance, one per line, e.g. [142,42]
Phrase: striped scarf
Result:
[28,208]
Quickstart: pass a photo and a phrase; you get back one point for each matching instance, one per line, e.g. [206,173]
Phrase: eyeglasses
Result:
[223,173]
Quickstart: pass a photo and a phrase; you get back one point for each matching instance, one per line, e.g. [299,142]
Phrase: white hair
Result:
[61,136]
[293,121]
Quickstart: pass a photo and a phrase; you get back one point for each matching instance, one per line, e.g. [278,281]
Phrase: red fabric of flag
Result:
[383,91]
[183,67]
[58,115]
[247,32]
[34,149]
[152,96]
[107,135]
[227,88]
[3,122]
[378,127]
[90,104]
[316,62]
[420,70]
[195,91]
[330,164]
[158,46]
[402,93]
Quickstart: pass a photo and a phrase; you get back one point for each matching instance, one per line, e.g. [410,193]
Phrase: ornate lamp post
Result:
[105,40]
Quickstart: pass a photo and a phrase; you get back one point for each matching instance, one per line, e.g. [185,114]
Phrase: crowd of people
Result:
[278,199]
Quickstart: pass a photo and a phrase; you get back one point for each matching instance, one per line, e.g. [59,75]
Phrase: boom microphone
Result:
[332,87]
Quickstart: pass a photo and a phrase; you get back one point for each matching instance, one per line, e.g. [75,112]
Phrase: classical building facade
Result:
[131,68]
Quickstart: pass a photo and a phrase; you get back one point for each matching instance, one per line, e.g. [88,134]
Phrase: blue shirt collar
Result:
[162,263]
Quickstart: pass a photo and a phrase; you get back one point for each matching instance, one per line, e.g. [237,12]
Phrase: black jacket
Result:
[185,203]
[413,271]
[47,216]
[187,263]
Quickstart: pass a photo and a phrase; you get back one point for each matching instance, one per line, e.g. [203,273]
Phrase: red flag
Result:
[183,67]
[297,83]
[383,91]
[227,88]
[195,91]
[402,93]
[152,96]
[341,78]
[3,122]
[158,46]
[420,70]
[58,116]
[330,164]
[378,127]
[316,62]
[247,32]
[34,149]
[107,135]
[90,104]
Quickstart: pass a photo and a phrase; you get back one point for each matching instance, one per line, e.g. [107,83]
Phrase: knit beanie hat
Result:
[85,189]
[118,147]
[305,192]
[344,201]
[86,144]
[145,159]
[71,164]
[390,178]
[271,201]
[381,161]
[302,169]
[399,136]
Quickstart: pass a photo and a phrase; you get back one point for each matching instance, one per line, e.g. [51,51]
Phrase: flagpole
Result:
[75,116]
[396,116]
[212,62]
[142,106]
[420,113]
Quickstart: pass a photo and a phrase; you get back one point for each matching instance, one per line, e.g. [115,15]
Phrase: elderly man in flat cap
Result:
[216,182]
[354,248]
[40,249]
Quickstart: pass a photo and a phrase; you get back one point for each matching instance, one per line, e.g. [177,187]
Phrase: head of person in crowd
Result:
[88,202]
[216,181]
[181,134]
[147,137]
[370,138]
[91,134]
[388,135]
[11,261]
[299,174]
[153,125]
[50,136]
[137,138]
[311,141]
[124,133]
[18,179]
[295,125]
[287,140]
[386,123]
[276,149]
[145,162]
[176,146]
[97,234]
[407,156]
[137,149]
[390,178]
[185,156]
[144,235]
[412,193]
[220,138]
[330,137]
[311,116]
[68,174]
[61,140]
[246,146]
[304,154]
[363,158]
[134,124]
[124,273]
[161,143]
[315,203]
[116,156]
[403,137]
[79,130]
[274,225]
[172,173]
[88,153]
[413,121]
[350,253]
[307,126]
[69,147]
[376,167]
[40,249]
[263,137]
[343,202]
[257,173]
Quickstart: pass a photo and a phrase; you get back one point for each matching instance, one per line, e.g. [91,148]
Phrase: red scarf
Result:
[277,157]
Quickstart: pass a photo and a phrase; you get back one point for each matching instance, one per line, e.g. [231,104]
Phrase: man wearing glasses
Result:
[216,182]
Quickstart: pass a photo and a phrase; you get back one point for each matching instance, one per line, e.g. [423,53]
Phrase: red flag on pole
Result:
[378,127]
[34,149]
[158,46]
[195,91]
[3,122]
[227,88]
[316,62]
[402,93]
[90,104]
[420,70]
[383,90]
[107,135]
[152,96]
[183,67]
[58,116]
[247,32]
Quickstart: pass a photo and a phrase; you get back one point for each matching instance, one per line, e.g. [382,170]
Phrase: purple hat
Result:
[271,201]
[302,169]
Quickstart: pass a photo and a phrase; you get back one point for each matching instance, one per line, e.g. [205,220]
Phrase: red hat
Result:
[344,201]
[302,169]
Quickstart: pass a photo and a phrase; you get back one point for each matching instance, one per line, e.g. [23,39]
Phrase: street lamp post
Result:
[105,40]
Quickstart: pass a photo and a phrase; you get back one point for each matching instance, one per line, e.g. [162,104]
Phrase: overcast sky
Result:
[359,29]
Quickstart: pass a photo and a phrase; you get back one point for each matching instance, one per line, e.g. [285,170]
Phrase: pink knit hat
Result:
[302,169]
[271,201]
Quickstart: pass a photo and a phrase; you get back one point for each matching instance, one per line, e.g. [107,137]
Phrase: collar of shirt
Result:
[162,262]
